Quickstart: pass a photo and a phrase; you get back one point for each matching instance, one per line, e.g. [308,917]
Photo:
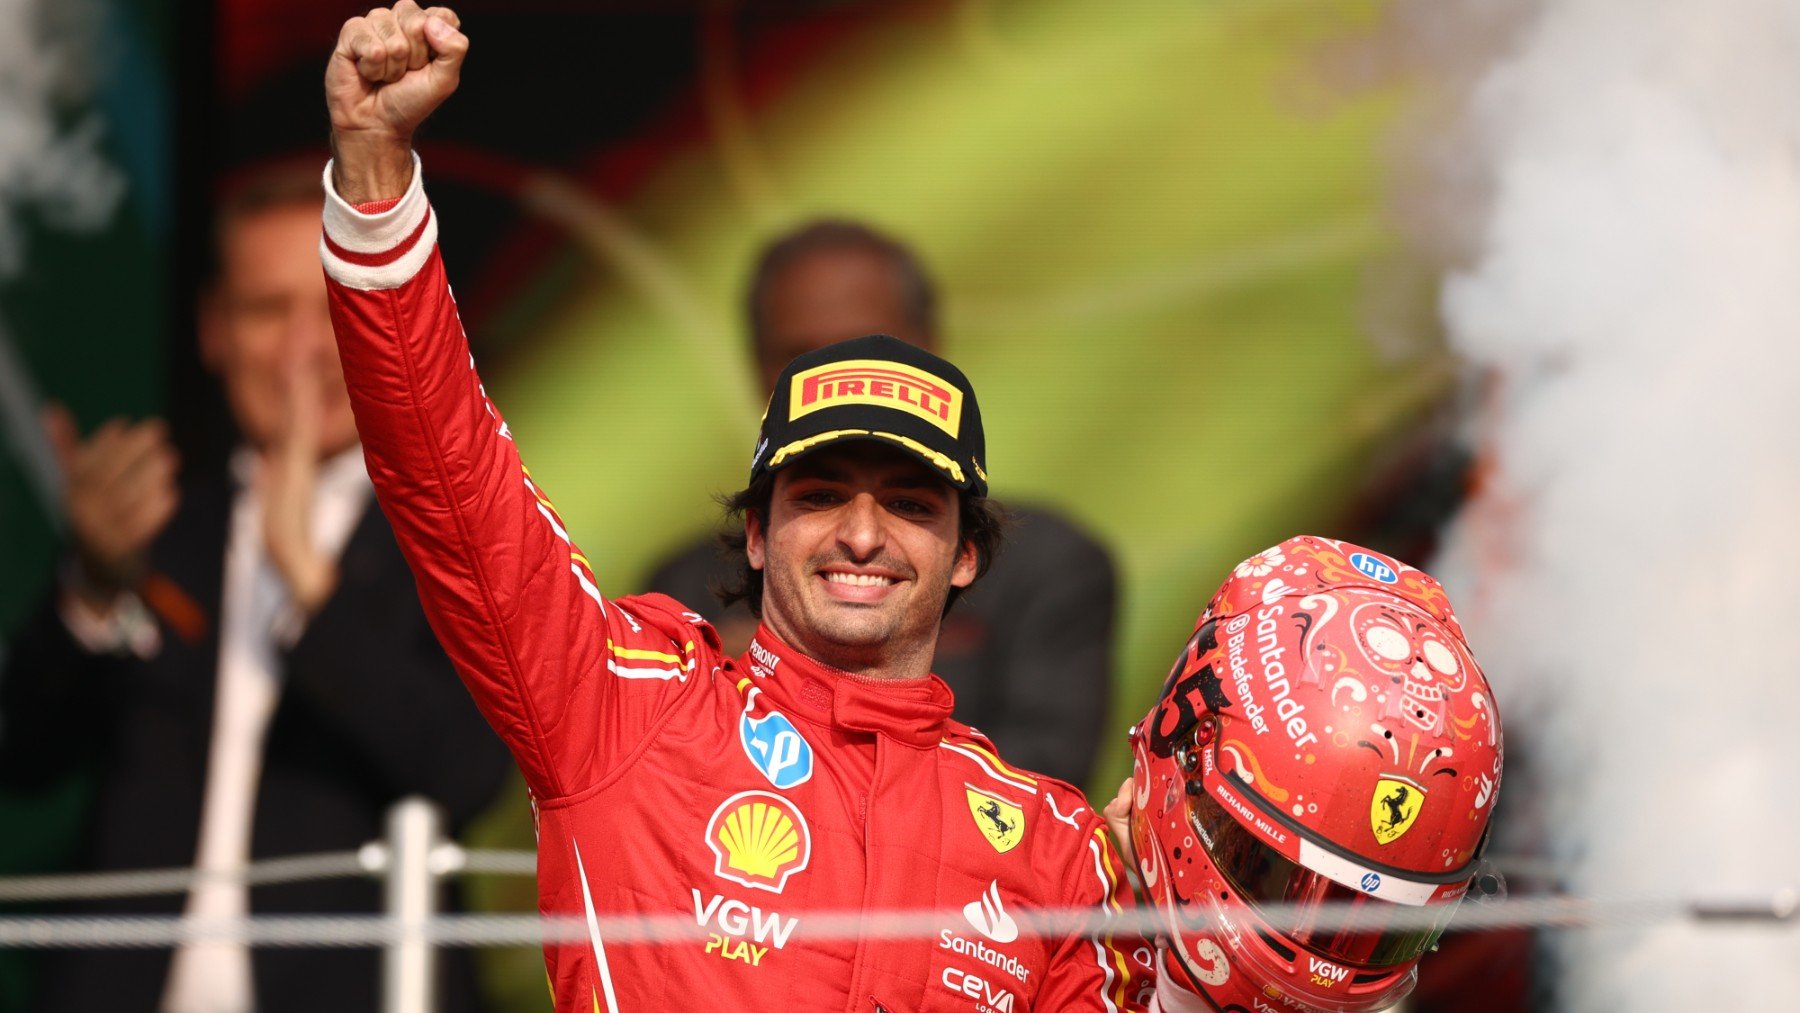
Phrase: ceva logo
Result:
[989,916]
[988,997]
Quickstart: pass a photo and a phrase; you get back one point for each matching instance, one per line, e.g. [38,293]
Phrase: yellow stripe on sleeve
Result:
[1000,764]
[637,654]
[1112,901]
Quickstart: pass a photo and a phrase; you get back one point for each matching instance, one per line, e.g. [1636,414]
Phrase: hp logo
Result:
[1373,568]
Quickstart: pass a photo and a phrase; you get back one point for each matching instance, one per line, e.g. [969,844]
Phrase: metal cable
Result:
[370,860]
[499,863]
[338,931]
[149,882]
[1775,908]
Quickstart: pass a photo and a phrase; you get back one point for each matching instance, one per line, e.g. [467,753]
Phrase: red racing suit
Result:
[752,793]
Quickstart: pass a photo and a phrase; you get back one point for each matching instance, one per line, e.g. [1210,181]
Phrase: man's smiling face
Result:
[859,551]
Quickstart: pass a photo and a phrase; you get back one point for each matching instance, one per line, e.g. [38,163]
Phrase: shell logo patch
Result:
[1394,807]
[1001,822]
[758,839]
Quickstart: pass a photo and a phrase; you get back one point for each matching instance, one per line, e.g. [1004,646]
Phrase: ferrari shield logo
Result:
[1001,822]
[1394,808]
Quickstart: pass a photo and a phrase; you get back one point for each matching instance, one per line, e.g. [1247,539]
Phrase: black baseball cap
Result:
[875,388]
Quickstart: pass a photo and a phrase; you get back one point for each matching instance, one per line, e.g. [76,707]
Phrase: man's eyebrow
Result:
[819,471]
[911,480]
[904,478]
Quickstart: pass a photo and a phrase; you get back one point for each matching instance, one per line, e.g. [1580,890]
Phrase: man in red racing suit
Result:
[754,793]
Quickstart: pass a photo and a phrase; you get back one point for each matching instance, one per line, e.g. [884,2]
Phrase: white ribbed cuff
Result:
[377,251]
[129,630]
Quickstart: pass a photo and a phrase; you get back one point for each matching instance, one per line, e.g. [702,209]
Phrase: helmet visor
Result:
[1315,912]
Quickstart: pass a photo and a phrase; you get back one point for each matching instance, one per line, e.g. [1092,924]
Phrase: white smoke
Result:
[1630,565]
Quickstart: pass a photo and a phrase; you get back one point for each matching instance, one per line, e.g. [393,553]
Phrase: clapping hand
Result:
[120,494]
[288,476]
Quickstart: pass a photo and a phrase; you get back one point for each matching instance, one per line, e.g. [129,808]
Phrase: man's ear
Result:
[755,547]
[967,565]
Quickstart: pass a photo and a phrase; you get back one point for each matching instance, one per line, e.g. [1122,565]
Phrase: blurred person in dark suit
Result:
[1028,652]
[241,665]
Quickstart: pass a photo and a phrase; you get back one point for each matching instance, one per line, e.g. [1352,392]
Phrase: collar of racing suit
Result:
[911,711]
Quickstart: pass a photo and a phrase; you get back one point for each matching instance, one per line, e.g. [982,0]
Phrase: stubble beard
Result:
[852,637]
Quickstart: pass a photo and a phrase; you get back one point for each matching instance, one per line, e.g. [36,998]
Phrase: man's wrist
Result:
[311,584]
[106,622]
[372,245]
[367,166]
[97,585]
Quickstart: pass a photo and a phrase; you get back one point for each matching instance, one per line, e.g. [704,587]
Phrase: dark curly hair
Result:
[981,520]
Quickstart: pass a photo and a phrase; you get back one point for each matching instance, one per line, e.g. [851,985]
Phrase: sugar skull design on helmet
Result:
[1324,742]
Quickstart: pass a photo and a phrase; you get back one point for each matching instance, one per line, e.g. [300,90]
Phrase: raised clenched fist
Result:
[390,69]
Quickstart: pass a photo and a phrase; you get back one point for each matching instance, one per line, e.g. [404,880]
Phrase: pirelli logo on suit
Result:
[881,383]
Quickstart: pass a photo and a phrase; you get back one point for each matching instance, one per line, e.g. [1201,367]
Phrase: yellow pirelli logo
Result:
[881,383]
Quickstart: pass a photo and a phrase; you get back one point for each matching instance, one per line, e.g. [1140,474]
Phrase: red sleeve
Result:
[1109,972]
[567,678]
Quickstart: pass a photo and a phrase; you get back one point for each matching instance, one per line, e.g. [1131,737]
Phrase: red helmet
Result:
[1325,738]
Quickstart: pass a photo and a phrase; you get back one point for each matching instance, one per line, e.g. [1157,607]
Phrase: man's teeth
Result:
[859,579]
